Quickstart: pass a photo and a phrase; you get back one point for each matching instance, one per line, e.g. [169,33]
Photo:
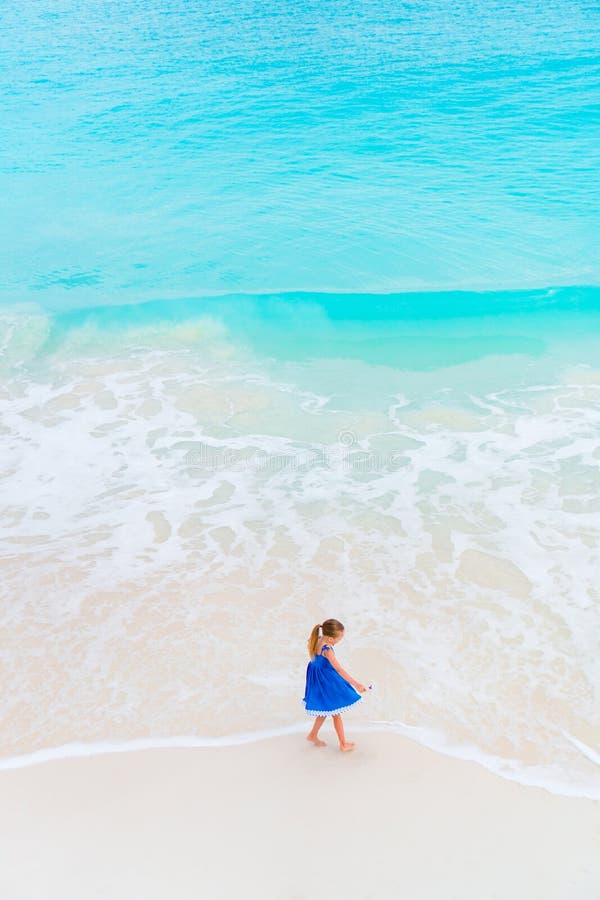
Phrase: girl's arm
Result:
[333,660]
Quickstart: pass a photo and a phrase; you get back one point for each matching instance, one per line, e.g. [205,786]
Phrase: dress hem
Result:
[332,712]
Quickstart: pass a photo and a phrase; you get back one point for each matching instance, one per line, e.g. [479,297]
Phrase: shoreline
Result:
[272,819]
[512,771]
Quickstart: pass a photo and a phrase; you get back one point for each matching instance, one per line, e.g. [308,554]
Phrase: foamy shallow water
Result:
[180,507]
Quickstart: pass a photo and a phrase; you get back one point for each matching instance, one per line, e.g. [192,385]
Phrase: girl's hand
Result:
[360,688]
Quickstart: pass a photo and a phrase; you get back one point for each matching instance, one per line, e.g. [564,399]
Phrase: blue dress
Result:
[327,693]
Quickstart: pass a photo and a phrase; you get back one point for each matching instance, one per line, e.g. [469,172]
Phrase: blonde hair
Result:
[331,628]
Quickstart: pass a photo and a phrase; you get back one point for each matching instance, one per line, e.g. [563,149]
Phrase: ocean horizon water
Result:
[300,317]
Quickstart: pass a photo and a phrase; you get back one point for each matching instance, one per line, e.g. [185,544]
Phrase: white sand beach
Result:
[283,820]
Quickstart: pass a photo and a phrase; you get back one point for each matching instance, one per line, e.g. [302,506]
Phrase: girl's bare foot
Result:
[315,740]
[347,746]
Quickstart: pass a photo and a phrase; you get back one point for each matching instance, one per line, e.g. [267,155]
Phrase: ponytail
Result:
[330,627]
[312,642]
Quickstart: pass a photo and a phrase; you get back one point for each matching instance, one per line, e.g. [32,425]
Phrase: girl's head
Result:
[330,628]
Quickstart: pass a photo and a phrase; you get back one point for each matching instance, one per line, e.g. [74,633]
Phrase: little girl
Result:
[329,689]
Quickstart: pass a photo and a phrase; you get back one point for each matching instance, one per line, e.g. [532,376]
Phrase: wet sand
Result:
[283,820]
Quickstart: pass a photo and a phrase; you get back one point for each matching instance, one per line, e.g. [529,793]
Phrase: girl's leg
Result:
[339,730]
[313,736]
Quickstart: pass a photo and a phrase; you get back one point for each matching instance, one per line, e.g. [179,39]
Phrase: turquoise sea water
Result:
[300,316]
[157,149]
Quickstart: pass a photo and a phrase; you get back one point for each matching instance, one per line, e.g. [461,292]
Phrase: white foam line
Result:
[97,748]
[587,751]
[510,770]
